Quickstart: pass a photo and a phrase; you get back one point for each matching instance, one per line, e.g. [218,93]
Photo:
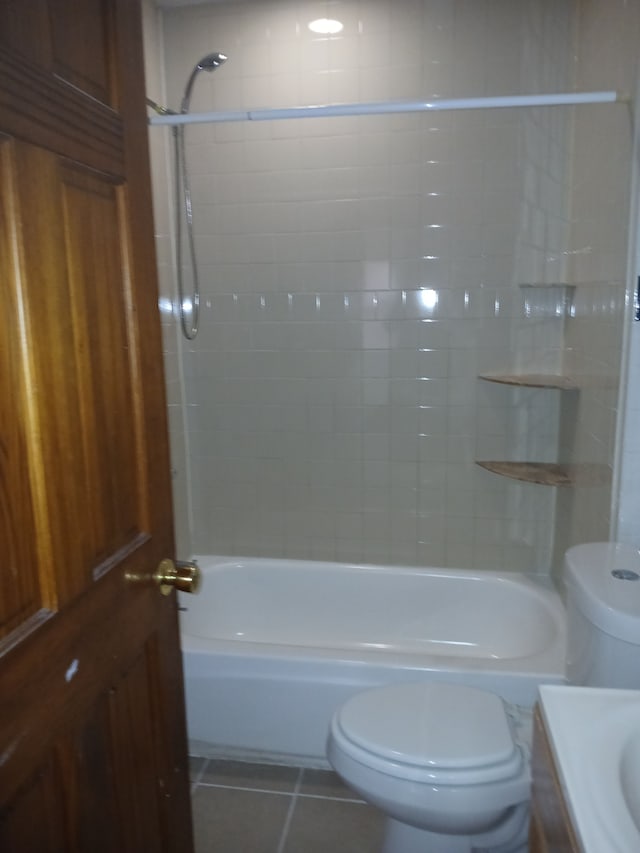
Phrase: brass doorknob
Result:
[181,575]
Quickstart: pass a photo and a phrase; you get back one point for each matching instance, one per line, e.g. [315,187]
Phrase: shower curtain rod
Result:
[388,107]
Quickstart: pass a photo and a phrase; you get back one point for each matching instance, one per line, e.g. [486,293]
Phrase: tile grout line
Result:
[246,788]
[332,799]
[199,776]
[197,782]
[290,810]
[299,794]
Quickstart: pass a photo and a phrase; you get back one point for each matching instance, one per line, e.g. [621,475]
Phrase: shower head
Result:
[208,63]
[211,61]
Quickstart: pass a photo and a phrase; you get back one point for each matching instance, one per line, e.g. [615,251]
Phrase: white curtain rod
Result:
[388,107]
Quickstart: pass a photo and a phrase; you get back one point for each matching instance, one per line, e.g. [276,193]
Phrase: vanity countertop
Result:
[595,737]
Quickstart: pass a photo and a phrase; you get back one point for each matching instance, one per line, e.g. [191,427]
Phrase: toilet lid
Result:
[441,726]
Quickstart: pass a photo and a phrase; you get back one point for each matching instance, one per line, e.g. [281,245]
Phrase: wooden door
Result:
[92,734]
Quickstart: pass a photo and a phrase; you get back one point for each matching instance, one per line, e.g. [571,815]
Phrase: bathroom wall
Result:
[627,504]
[607,39]
[623,30]
[160,150]
[358,274]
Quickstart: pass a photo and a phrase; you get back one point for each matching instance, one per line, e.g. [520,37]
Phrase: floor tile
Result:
[331,826]
[235,821]
[242,774]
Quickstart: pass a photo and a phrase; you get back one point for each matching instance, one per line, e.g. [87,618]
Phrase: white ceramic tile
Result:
[318,210]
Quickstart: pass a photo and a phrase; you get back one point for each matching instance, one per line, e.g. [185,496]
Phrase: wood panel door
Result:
[92,732]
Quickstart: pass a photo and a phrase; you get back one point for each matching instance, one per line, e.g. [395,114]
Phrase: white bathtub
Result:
[272,647]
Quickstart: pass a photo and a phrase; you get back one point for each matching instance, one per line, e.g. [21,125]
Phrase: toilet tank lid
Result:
[604,580]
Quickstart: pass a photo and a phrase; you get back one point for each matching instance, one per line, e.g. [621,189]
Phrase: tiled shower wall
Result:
[358,274]
[607,35]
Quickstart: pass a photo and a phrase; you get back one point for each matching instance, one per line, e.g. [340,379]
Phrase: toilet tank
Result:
[603,615]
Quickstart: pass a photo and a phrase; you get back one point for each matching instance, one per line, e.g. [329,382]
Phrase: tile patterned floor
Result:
[261,808]
[241,807]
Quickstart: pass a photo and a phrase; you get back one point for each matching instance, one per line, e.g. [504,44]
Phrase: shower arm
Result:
[159,109]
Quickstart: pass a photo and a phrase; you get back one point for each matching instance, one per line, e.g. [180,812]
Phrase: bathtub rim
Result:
[549,660]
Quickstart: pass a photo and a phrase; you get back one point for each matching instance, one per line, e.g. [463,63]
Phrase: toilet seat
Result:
[433,733]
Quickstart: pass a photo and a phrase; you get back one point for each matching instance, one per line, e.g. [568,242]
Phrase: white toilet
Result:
[443,761]
[440,760]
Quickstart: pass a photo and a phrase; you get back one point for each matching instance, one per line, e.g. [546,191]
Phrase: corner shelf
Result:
[542,473]
[532,380]
[587,474]
[555,300]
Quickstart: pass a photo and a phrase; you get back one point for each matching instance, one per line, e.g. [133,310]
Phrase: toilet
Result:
[444,763]
[440,760]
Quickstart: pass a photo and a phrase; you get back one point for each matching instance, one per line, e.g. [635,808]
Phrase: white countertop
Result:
[595,736]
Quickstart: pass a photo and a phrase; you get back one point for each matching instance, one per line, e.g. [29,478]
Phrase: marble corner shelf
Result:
[588,474]
[532,380]
[543,473]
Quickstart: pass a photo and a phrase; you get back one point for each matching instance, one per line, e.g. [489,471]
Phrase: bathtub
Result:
[272,647]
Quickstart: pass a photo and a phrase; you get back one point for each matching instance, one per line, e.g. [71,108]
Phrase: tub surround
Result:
[358,272]
[350,267]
